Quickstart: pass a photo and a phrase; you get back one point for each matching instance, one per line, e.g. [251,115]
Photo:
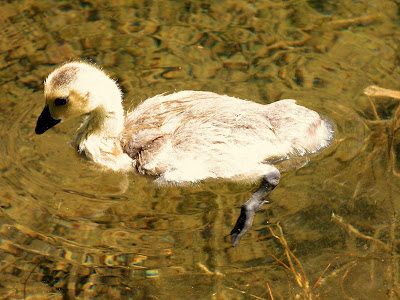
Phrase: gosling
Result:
[183,137]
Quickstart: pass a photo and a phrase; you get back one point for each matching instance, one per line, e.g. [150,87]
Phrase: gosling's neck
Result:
[98,138]
[103,123]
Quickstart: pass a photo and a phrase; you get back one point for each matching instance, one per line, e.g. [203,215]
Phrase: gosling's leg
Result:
[245,220]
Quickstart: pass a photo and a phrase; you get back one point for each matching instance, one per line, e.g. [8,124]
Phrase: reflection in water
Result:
[69,230]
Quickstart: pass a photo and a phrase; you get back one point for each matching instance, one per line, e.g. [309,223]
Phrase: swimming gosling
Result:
[184,137]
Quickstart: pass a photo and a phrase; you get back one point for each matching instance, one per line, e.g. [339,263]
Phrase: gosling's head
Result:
[74,89]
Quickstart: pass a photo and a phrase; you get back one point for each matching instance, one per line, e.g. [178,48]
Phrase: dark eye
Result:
[60,101]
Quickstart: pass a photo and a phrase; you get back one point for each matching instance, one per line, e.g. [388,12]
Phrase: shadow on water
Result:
[69,230]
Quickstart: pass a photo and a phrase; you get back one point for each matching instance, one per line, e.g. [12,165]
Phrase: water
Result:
[71,231]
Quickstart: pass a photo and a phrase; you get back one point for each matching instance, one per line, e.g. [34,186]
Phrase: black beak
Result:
[45,121]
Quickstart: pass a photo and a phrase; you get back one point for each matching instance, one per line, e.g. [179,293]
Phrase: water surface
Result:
[69,230]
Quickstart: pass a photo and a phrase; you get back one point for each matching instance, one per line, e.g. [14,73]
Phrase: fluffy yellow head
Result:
[75,89]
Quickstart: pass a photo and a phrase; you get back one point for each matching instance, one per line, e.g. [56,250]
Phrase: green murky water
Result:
[70,231]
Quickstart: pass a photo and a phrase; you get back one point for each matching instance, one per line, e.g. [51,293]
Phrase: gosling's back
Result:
[190,136]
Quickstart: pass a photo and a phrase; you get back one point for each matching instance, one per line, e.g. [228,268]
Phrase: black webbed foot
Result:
[243,224]
[245,220]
